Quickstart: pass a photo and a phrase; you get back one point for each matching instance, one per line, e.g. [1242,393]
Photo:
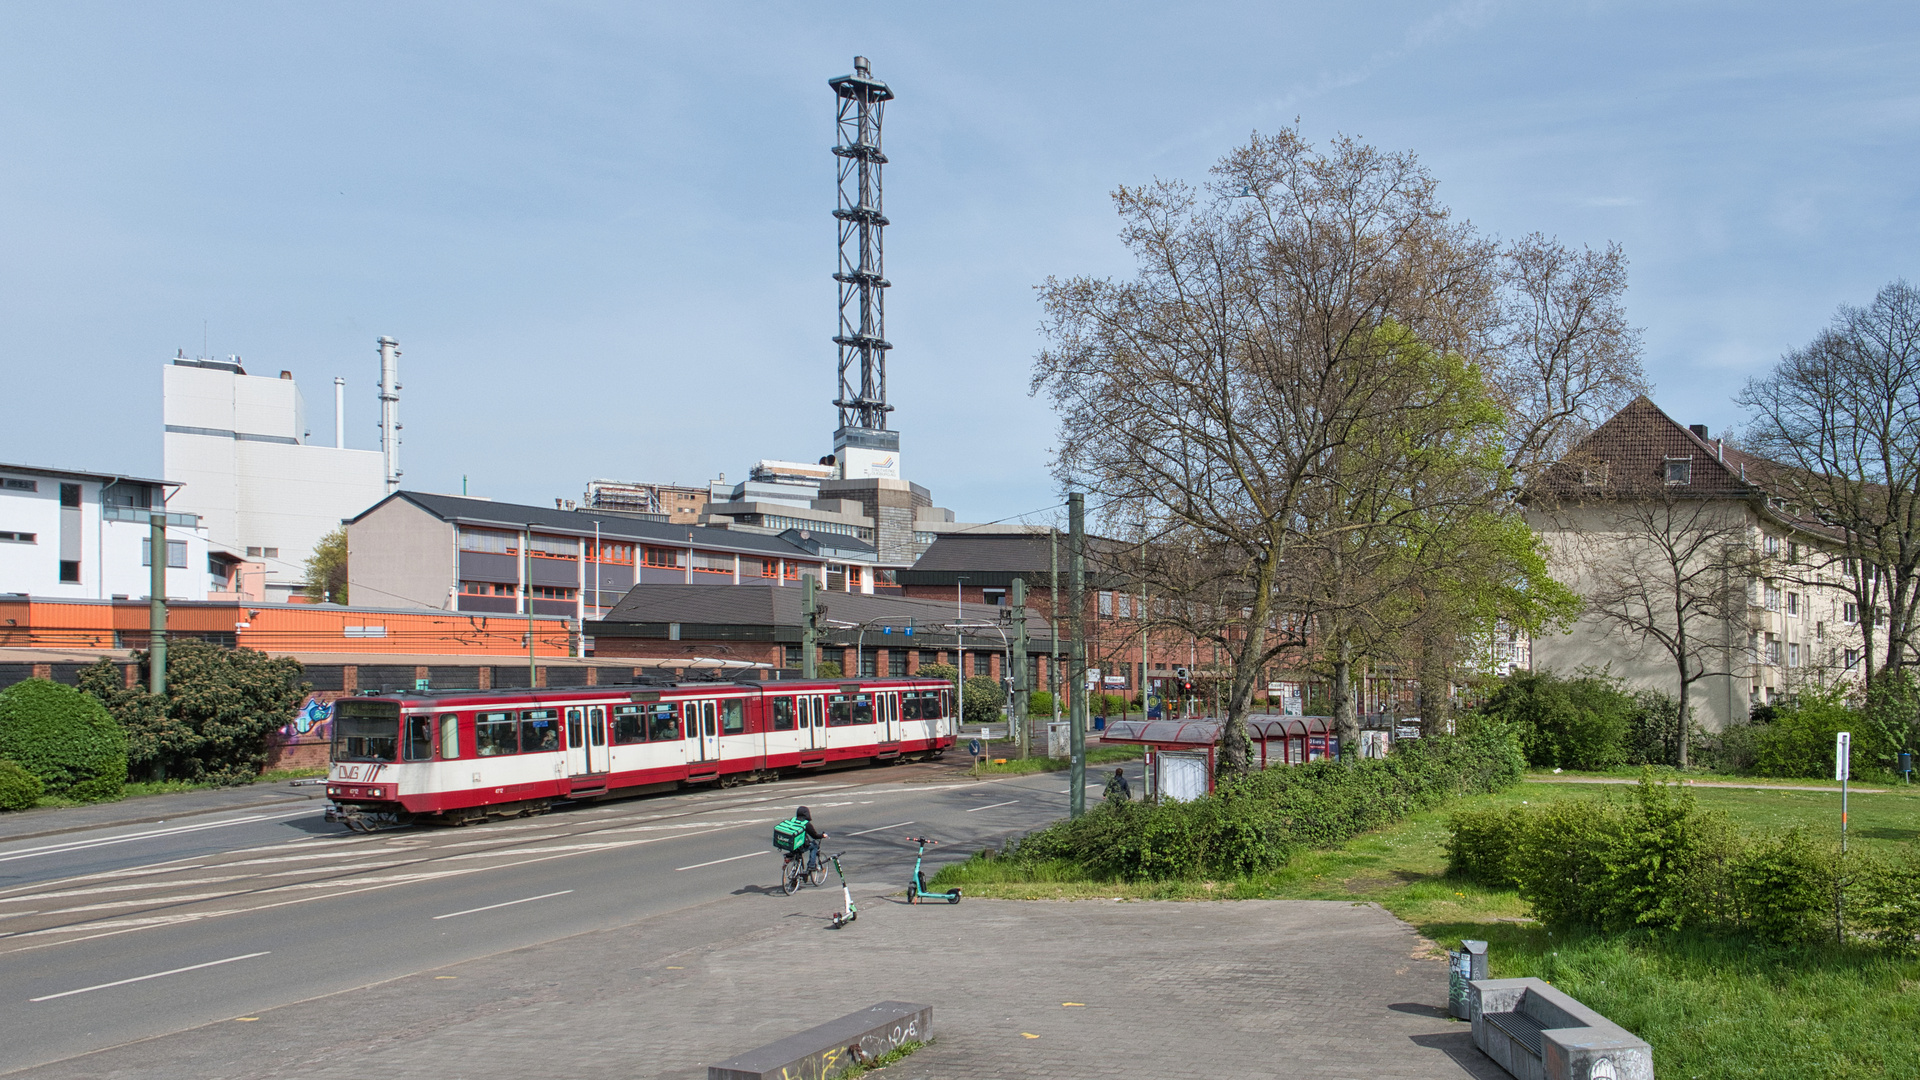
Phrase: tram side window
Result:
[493,734]
[419,737]
[539,730]
[733,717]
[845,710]
[596,731]
[664,724]
[629,724]
[920,705]
[449,736]
[782,714]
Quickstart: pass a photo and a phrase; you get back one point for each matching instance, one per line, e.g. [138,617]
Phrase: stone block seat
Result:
[1536,1032]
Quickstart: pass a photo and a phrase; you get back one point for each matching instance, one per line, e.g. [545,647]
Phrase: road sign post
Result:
[1842,765]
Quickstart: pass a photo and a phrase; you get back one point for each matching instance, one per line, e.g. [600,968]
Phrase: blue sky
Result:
[601,232]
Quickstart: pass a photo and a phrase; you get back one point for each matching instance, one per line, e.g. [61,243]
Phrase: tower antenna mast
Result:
[862,274]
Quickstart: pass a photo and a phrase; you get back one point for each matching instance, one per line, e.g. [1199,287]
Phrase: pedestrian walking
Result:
[1117,789]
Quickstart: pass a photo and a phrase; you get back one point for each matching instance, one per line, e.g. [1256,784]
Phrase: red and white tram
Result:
[463,755]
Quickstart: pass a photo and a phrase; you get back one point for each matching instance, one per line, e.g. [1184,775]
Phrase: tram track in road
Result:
[194,889]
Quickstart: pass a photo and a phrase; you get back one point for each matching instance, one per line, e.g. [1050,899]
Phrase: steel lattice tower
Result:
[862,275]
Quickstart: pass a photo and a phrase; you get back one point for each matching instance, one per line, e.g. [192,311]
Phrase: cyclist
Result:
[814,836]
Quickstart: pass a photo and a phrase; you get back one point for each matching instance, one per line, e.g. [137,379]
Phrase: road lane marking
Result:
[144,978]
[991,806]
[87,845]
[717,862]
[882,828]
[510,903]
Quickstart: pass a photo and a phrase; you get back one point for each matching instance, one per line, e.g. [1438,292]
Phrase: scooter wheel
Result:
[913,897]
[953,897]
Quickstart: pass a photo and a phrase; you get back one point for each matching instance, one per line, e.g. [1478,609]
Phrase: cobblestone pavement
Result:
[1079,989]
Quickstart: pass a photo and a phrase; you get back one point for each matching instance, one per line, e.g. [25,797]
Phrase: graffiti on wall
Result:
[312,722]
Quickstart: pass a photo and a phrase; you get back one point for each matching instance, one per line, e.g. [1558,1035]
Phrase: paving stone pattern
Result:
[1163,990]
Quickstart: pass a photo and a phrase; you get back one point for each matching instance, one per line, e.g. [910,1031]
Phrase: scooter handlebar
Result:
[921,840]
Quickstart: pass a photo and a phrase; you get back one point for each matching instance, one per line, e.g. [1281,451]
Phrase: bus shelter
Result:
[1181,754]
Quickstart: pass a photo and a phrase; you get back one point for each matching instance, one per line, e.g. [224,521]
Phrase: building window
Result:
[1679,471]
[1772,598]
[1773,544]
[1793,553]
[552,592]
[705,562]
[928,656]
[271,553]
[794,657]
[1106,603]
[491,543]
[20,485]
[253,553]
[1793,654]
[1849,612]
[996,597]
[70,571]
[70,496]
[176,553]
[868,660]
[1773,650]
[982,663]
[19,537]
[1594,475]
[896,662]
[1853,657]
[666,558]
[1793,605]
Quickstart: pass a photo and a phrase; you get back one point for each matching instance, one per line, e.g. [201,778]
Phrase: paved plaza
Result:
[1020,989]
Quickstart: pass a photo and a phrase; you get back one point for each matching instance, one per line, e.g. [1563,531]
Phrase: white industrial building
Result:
[239,445]
[83,535]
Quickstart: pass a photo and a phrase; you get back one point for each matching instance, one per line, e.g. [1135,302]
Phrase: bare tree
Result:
[1671,571]
[1563,356]
[1841,418]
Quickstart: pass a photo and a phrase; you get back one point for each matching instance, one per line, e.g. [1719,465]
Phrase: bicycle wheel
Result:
[818,877]
[790,873]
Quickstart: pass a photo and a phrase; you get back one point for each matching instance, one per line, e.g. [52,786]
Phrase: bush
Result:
[1040,703]
[1480,846]
[63,737]
[1654,730]
[1578,723]
[1781,888]
[221,705]
[983,698]
[1559,859]
[1798,741]
[1256,823]
[1663,867]
[19,789]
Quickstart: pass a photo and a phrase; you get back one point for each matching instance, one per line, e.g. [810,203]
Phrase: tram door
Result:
[886,718]
[703,731]
[586,741]
[813,723]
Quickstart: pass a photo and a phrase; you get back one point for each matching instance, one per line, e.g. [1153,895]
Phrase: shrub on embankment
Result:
[1256,823]
[64,738]
[1658,861]
[19,789]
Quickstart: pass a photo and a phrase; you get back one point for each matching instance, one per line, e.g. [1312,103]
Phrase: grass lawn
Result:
[1102,755]
[1711,1008]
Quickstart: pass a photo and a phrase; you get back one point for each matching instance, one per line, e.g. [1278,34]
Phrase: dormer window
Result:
[1679,471]
[1594,475]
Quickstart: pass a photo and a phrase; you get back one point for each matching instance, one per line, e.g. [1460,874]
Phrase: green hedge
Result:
[19,789]
[1256,823]
[1657,861]
[63,737]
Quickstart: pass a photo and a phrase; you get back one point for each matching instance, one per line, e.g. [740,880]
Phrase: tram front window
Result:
[366,730]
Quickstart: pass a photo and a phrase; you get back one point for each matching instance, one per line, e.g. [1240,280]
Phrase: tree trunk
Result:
[1436,690]
[1685,718]
[1345,721]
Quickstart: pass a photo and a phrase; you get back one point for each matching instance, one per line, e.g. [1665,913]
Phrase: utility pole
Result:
[809,630]
[1020,683]
[526,556]
[1077,664]
[157,604]
[1053,620]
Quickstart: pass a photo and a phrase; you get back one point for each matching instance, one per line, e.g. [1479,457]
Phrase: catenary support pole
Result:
[157,604]
[1053,620]
[809,630]
[526,557]
[1021,684]
[1077,663]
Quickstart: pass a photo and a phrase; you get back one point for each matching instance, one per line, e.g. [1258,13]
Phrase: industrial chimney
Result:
[390,410]
[339,413]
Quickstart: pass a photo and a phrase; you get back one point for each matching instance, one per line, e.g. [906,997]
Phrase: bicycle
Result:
[794,871]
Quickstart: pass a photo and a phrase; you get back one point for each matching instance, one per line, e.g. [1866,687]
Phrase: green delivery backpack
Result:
[790,835]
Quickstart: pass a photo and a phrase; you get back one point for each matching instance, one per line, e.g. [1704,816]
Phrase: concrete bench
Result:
[1538,1033]
[819,1052]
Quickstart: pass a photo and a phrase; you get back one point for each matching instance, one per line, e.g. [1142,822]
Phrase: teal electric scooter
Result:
[917,892]
[842,918]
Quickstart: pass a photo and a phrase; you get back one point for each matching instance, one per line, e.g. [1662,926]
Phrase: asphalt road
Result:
[117,934]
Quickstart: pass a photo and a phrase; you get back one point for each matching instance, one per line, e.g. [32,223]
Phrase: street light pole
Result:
[1077,664]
